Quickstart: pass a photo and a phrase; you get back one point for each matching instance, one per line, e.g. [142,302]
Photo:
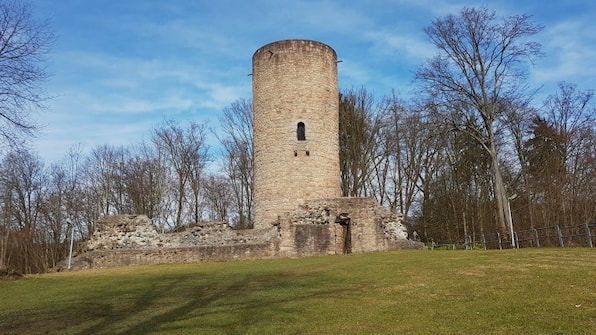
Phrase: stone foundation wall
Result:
[138,232]
[127,257]
[318,227]
[342,225]
[123,240]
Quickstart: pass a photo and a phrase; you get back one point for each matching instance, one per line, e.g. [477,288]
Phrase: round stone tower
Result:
[296,121]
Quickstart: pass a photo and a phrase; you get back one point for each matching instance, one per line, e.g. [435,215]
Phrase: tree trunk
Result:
[500,192]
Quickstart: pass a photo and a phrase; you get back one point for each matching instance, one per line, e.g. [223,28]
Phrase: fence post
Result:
[560,237]
[499,238]
[484,241]
[589,233]
[516,246]
[536,238]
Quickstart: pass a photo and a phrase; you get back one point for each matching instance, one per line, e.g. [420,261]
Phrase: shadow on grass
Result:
[200,303]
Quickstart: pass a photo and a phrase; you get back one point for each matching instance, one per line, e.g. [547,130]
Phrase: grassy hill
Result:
[527,291]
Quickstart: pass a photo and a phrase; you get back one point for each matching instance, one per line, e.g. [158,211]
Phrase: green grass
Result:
[527,291]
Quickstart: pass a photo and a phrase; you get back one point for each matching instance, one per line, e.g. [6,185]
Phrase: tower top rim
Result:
[282,44]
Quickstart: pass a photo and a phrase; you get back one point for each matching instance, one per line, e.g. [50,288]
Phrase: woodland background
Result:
[451,159]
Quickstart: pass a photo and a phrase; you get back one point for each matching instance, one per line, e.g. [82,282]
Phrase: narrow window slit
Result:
[301,131]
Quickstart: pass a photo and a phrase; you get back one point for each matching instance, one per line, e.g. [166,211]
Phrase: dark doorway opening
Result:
[346,223]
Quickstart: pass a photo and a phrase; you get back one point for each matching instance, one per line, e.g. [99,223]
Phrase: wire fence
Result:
[561,236]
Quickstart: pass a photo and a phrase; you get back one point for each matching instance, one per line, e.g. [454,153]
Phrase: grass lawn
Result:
[526,291]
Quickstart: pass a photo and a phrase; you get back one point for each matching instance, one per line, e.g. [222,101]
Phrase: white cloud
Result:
[352,73]
[221,96]
[122,69]
[401,44]
[570,49]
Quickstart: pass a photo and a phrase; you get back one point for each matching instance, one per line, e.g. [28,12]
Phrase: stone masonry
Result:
[318,227]
[294,84]
[122,240]
[298,211]
[341,226]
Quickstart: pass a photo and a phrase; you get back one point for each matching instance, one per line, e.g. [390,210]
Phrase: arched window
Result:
[301,132]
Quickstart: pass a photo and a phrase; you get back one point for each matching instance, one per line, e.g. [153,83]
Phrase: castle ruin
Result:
[296,126]
[298,208]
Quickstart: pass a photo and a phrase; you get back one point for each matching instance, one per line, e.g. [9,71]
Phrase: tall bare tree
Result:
[546,171]
[411,143]
[572,115]
[145,177]
[237,139]
[518,118]
[23,181]
[104,171]
[186,153]
[218,197]
[481,61]
[360,126]
[24,45]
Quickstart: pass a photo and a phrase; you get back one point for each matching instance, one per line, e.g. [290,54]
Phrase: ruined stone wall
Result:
[320,227]
[310,239]
[138,232]
[122,240]
[201,253]
[296,162]
[294,81]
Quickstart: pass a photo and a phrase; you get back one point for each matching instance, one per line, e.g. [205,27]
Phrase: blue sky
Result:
[120,68]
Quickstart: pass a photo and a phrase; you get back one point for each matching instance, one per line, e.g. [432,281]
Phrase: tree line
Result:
[455,160]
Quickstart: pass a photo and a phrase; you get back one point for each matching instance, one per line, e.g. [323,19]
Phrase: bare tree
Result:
[218,197]
[64,206]
[481,61]
[145,176]
[24,44]
[104,171]
[186,154]
[359,152]
[53,209]
[22,181]
[237,140]
[572,115]
[546,171]
[413,144]
[518,118]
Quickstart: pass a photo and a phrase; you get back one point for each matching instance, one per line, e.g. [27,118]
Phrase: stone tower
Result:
[296,121]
